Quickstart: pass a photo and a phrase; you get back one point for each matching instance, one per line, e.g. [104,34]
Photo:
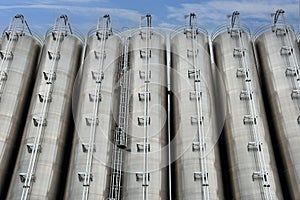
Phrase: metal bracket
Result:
[86,147]
[37,121]
[261,176]
[95,98]
[191,53]
[196,146]
[192,72]
[42,98]
[143,53]
[97,76]
[53,55]
[139,176]
[91,121]
[142,74]
[82,175]
[143,95]
[238,52]
[246,95]
[23,177]
[30,148]
[291,71]
[195,119]
[249,119]
[141,120]
[200,175]
[3,76]
[242,72]
[6,55]
[286,50]
[234,32]
[279,31]
[49,77]
[99,55]
[141,146]
[295,94]
[254,146]
[193,95]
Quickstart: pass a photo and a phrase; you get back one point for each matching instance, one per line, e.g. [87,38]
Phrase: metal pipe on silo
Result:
[19,54]
[39,169]
[251,163]
[279,58]
[145,163]
[92,163]
[196,171]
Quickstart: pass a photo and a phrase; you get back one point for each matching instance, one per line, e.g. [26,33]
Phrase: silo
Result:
[278,56]
[251,163]
[196,171]
[19,55]
[145,170]
[39,169]
[97,112]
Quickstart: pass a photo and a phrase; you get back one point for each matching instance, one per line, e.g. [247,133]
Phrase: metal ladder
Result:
[14,31]
[251,118]
[293,69]
[40,121]
[146,117]
[86,177]
[120,137]
[200,145]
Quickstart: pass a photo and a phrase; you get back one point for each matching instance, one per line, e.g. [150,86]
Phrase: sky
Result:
[83,14]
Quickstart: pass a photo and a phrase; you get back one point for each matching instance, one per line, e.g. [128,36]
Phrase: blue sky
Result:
[83,14]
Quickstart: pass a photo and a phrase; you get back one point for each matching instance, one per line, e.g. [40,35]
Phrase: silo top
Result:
[229,30]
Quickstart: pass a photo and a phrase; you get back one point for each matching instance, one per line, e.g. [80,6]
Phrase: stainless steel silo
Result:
[38,173]
[196,171]
[145,163]
[279,57]
[251,163]
[19,54]
[97,114]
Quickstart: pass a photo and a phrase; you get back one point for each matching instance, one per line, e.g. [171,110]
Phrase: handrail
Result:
[267,27]
[66,29]
[182,28]
[226,27]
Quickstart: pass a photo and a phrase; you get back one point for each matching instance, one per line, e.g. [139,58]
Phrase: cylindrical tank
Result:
[89,173]
[196,171]
[279,59]
[19,53]
[247,144]
[39,169]
[145,164]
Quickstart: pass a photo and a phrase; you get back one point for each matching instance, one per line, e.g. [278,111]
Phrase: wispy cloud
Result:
[253,13]
[84,14]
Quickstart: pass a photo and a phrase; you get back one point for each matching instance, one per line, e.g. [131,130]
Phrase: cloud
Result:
[83,11]
[254,13]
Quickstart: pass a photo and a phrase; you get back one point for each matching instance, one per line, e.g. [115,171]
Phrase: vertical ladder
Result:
[250,118]
[292,70]
[200,145]
[145,119]
[86,177]
[120,138]
[15,30]
[40,121]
